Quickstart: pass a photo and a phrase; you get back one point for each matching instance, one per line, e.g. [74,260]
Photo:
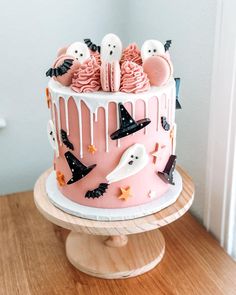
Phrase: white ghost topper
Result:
[79,51]
[152,48]
[111,48]
[52,137]
[133,160]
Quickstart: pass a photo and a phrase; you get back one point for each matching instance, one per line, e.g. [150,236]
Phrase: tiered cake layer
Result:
[89,119]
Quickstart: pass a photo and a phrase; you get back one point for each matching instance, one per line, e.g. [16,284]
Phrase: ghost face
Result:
[152,48]
[111,48]
[79,51]
[52,137]
[133,160]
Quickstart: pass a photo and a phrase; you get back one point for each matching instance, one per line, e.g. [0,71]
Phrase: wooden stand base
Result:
[102,248]
[91,254]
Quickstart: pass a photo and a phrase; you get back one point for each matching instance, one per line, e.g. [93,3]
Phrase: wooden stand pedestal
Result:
[102,248]
[92,255]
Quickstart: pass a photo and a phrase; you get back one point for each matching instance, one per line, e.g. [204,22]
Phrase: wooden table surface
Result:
[33,260]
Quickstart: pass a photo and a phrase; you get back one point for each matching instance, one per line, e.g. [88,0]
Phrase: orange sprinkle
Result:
[92,149]
[60,178]
[48,98]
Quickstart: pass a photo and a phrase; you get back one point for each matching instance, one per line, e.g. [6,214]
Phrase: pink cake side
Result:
[90,118]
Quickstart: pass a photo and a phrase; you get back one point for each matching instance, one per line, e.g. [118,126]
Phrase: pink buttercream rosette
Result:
[87,77]
[133,78]
[96,55]
[132,53]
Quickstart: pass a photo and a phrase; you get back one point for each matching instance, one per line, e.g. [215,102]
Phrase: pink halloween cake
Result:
[112,129]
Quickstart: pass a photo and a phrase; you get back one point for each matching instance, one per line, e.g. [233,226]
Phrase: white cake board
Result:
[70,207]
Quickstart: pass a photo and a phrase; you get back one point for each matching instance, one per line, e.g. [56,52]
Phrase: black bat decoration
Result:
[65,140]
[97,192]
[61,70]
[167,174]
[92,46]
[167,45]
[177,85]
[165,124]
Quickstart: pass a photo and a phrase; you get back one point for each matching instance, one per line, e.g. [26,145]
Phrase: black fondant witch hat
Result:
[167,174]
[78,169]
[127,124]
[177,85]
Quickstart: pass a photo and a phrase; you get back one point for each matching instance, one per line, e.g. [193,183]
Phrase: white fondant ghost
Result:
[152,48]
[52,137]
[133,160]
[111,48]
[79,51]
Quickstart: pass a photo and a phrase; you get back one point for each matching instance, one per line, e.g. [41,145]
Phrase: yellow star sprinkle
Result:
[125,193]
[92,149]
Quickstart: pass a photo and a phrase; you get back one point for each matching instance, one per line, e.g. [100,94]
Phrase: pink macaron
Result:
[61,51]
[110,76]
[159,69]
[66,78]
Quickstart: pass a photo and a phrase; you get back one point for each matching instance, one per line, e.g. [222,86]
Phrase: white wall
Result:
[33,30]
[191,26]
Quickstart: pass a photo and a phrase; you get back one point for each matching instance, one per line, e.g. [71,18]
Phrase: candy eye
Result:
[76,51]
[109,45]
[81,54]
[132,156]
[136,157]
[114,46]
[149,50]
[154,50]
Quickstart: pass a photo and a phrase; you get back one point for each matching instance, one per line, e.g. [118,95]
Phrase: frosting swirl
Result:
[87,77]
[132,53]
[133,78]
[96,55]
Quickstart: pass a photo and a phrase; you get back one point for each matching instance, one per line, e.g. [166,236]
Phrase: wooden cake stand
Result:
[102,248]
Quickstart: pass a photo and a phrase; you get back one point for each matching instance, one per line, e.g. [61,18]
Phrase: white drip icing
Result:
[91,128]
[78,104]
[117,123]
[66,101]
[168,109]
[53,113]
[133,111]
[106,127]
[57,104]
[95,115]
[99,99]
[55,108]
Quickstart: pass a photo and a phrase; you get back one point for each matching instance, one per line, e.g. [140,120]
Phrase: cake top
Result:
[86,67]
